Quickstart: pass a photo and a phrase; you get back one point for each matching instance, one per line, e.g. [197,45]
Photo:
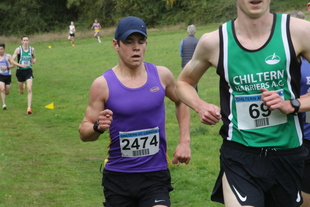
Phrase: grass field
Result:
[43,163]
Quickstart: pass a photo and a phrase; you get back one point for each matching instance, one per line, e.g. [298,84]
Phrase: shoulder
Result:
[165,75]
[298,25]
[163,70]
[208,47]
[17,50]
[8,56]
[210,39]
[207,51]
[99,87]
[299,29]
[100,81]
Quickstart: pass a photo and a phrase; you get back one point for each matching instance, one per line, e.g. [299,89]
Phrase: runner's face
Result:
[132,50]
[25,41]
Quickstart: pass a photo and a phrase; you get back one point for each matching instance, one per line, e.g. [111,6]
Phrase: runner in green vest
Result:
[257,57]
[26,57]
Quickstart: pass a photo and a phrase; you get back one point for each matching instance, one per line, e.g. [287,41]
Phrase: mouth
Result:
[135,56]
[255,2]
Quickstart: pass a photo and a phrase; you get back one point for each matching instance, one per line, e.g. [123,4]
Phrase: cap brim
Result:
[129,32]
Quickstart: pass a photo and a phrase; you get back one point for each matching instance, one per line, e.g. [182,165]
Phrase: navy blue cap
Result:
[129,25]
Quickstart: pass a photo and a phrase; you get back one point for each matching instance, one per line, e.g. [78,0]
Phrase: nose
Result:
[136,46]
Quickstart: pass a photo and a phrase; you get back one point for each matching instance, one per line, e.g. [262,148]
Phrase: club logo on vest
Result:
[154,89]
[272,59]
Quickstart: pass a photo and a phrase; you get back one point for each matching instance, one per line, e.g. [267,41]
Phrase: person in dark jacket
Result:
[188,45]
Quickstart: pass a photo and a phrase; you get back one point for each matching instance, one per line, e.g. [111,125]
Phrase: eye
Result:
[128,41]
[142,41]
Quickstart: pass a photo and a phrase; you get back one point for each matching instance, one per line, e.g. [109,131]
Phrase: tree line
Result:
[19,17]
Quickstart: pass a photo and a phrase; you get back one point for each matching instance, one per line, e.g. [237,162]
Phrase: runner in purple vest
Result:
[305,91]
[127,101]
[6,63]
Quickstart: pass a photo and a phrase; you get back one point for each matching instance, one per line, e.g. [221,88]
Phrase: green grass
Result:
[42,160]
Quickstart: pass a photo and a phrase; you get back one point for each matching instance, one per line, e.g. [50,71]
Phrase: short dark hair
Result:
[2,45]
[23,37]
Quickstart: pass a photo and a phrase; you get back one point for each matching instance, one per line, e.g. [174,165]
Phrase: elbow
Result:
[83,139]
[87,139]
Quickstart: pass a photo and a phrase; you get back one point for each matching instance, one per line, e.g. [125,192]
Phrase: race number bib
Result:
[25,62]
[308,117]
[139,143]
[3,71]
[253,113]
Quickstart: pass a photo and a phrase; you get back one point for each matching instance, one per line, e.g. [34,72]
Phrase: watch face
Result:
[295,103]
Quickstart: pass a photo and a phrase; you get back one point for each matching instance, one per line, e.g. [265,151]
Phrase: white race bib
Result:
[139,143]
[253,113]
[25,62]
[3,71]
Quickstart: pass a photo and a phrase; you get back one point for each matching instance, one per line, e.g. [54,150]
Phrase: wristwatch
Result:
[95,127]
[296,104]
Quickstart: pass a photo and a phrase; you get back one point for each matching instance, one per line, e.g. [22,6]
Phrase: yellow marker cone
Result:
[50,106]
[50,47]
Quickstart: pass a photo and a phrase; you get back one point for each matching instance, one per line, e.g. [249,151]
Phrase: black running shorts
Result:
[261,177]
[306,175]
[6,79]
[136,189]
[23,75]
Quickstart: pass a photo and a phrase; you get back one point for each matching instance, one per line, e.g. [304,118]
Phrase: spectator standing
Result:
[188,45]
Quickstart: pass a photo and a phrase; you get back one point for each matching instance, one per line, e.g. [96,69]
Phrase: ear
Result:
[115,45]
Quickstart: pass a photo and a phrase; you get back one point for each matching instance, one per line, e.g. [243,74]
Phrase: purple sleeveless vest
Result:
[136,109]
[5,63]
[305,88]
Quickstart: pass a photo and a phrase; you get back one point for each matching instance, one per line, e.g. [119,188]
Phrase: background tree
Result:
[20,17]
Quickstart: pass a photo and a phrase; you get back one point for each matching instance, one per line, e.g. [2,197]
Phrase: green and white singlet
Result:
[243,72]
[24,58]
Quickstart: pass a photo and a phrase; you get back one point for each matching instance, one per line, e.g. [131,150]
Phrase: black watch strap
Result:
[295,104]
[95,127]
